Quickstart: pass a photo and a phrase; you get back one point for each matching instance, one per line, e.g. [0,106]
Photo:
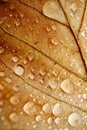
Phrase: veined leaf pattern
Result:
[43,79]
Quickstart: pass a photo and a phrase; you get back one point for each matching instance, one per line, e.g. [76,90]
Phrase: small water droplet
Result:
[46,108]
[1,87]
[14,100]
[15,88]
[57,109]
[31,56]
[31,76]
[21,14]
[54,28]
[43,72]
[53,84]
[54,41]
[1,103]
[8,80]
[74,7]
[2,73]
[2,20]
[15,59]
[49,120]
[48,29]
[17,22]
[67,86]
[37,21]
[2,49]
[30,108]
[57,121]
[41,81]
[12,6]
[13,117]
[8,25]
[38,118]
[25,61]
[19,70]
[10,15]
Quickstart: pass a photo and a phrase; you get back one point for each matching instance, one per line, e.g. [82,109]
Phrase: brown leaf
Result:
[42,73]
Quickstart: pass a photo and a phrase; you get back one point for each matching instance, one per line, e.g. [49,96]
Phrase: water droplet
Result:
[57,109]
[74,119]
[21,14]
[14,100]
[49,120]
[2,49]
[25,61]
[46,108]
[54,41]
[10,15]
[1,103]
[54,28]
[2,118]
[19,70]
[31,56]
[2,20]
[17,22]
[8,80]
[74,7]
[38,118]
[42,72]
[30,108]
[31,76]
[13,117]
[57,121]
[15,59]
[53,84]
[85,96]
[12,6]
[48,29]
[67,86]
[41,81]
[8,25]
[37,21]
[83,34]
[2,74]
[15,88]
[1,87]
